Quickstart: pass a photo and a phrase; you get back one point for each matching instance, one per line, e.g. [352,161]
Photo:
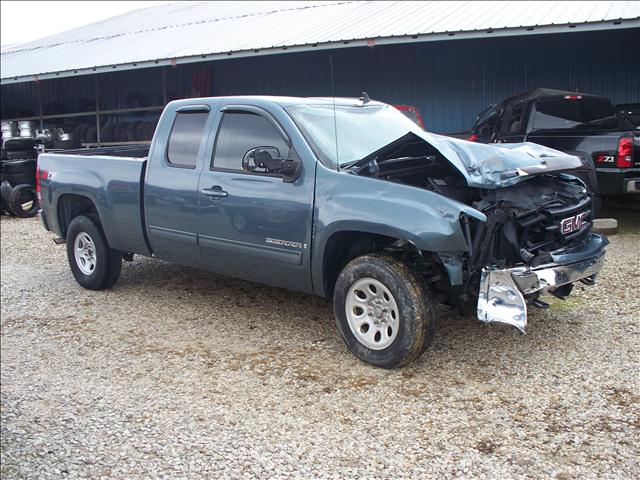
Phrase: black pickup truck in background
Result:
[587,126]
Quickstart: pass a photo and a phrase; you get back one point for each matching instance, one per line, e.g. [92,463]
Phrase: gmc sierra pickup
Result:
[345,198]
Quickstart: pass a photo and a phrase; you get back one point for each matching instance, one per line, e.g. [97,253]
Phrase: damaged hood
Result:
[499,165]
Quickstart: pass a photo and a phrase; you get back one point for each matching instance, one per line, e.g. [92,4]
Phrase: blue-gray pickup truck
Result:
[344,198]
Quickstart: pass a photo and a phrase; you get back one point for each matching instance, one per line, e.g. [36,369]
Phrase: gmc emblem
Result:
[574,223]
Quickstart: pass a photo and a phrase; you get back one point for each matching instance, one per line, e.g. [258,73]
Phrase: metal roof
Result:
[192,31]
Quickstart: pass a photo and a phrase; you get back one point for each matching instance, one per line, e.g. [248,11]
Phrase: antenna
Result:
[335,122]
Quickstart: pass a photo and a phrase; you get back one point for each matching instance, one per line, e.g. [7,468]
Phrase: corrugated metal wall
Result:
[450,82]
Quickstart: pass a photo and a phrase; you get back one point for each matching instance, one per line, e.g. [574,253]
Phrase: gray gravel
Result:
[177,373]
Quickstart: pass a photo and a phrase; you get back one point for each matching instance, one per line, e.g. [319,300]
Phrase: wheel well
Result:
[342,247]
[69,207]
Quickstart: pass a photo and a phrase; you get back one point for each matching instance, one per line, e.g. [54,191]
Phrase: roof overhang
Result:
[183,33]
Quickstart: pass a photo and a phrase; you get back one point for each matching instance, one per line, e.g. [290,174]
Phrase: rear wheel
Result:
[93,263]
[384,314]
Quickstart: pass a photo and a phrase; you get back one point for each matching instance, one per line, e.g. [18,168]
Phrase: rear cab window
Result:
[185,139]
[569,113]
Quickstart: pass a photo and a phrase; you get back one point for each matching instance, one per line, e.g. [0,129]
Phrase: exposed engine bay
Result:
[527,222]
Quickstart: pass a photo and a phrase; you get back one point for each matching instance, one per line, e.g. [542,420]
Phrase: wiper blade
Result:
[348,165]
[382,152]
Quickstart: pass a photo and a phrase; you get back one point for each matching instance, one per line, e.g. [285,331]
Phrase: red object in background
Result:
[40,175]
[625,152]
[412,113]
[202,83]
[473,137]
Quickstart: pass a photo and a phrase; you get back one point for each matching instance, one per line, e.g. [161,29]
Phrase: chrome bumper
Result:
[632,185]
[502,292]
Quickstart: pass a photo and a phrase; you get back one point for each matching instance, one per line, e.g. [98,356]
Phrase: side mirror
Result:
[266,160]
[290,169]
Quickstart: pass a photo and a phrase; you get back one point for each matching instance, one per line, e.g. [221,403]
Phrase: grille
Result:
[543,231]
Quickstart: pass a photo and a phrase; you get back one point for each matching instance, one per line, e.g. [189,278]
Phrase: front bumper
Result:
[503,293]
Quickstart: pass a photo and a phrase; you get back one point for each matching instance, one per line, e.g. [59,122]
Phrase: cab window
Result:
[240,134]
[185,139]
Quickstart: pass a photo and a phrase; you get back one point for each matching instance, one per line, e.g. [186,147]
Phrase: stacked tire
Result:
[18,178]
[123,132]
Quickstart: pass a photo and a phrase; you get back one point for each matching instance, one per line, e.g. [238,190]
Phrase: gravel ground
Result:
[177,373]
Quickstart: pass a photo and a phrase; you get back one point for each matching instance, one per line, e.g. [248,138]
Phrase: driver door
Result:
[252,224]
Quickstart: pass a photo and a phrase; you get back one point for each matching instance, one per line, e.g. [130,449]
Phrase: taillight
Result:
[40,175]
[624,158]
[573,97]
[38,191]
[473,137]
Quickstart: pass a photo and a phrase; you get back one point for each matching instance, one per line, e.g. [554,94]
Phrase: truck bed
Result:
[130,151]
[113,183]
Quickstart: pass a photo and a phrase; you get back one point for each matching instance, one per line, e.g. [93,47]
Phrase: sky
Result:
[23,21]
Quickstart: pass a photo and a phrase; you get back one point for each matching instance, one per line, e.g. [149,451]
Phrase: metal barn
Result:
[108,82]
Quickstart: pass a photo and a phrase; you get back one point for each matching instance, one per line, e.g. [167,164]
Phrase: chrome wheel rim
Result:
[84,251]
[372,313]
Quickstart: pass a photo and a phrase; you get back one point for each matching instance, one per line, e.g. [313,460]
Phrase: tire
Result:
[123,136]
[5,194]
[23,201]
[81,134]
[133,131]
[19,166]
[48,143]
[22,154]
[5,190]
[54,108]
[140,131]
[17,172]
[66,144]
[106,134]
[107,263]
[136,100]
[13,144]
[91,135]
[149,130]
[407,325]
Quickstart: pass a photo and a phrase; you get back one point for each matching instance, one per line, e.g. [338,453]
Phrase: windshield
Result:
[552,114]
[360,130]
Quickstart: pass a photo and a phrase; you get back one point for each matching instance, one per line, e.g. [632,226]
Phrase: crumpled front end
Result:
[498,165]
[504,293]
[537,239]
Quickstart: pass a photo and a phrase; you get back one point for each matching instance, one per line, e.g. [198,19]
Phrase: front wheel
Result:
[93,263]
[384,314]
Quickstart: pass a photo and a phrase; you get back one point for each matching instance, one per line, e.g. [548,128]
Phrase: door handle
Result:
[215,192]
